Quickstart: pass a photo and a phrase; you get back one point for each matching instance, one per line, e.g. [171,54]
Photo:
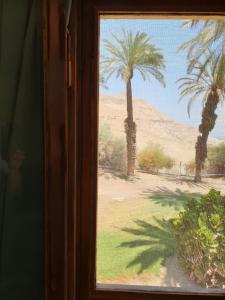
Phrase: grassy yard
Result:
[134,237]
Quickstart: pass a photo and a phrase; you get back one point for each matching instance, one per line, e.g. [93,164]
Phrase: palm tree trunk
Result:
[207,124]
[130,129]
[200,148]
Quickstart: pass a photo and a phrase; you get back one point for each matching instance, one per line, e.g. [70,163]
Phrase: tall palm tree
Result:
[208,84]
[125,54]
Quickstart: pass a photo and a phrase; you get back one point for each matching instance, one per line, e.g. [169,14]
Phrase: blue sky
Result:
[167,35]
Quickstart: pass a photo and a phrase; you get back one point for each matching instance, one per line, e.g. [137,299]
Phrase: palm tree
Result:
[207,82]
[125,55]
[211,34]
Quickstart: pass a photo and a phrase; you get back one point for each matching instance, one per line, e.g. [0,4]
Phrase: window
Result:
[160,216]
[96,115]
[82,213]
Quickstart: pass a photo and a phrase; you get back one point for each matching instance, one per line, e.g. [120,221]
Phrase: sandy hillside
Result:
[152,126]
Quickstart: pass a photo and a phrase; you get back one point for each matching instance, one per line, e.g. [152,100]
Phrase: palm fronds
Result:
[131,52]
[204,78]
[210,35]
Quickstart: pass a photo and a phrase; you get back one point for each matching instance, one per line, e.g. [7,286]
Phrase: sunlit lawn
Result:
[134,235]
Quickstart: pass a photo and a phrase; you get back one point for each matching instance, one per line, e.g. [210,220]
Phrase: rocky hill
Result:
[152,126]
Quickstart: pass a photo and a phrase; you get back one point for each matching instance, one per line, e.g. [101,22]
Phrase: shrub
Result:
[216,158]
[152,158]
[200,235]
[104,145]
[118,156]
[112,151]
[105,134]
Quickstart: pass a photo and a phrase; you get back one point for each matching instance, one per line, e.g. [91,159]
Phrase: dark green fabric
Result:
[21,197]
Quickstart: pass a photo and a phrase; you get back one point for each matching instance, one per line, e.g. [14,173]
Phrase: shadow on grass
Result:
[165,197]
[158,239]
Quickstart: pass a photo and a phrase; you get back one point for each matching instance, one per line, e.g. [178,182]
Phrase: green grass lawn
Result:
[135,238]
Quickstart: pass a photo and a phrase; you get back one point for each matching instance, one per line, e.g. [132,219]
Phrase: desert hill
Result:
[152,126]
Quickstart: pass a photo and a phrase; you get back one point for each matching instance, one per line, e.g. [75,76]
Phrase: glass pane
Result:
[161,154]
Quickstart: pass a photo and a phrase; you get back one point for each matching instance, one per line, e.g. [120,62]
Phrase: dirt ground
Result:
[115,188]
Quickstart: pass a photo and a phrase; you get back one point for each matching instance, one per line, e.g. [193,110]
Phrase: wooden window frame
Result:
[70,134]
[88,130]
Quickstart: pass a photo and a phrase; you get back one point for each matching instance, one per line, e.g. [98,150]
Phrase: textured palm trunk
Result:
[130,130]
[207,124]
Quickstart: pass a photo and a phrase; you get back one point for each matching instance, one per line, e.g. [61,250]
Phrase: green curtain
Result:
[21,163]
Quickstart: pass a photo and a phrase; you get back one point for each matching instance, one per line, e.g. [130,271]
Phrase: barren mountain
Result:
[177,140]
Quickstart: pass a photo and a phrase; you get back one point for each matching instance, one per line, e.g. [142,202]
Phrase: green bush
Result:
[112,151]
[216,159]
[152,158]
[200,235]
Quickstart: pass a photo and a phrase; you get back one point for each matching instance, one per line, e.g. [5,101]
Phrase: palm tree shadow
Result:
[166,197]
[159,241]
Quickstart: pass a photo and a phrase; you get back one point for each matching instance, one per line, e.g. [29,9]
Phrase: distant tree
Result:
[206,83]
[126,54]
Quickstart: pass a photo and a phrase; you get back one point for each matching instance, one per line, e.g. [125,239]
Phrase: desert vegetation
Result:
[216,159]
[200,235]
[152,159]
[112,150]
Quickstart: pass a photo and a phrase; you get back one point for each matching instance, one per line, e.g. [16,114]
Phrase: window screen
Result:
[161,154]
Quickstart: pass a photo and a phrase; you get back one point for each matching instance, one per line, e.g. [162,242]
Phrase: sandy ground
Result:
[114,189]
